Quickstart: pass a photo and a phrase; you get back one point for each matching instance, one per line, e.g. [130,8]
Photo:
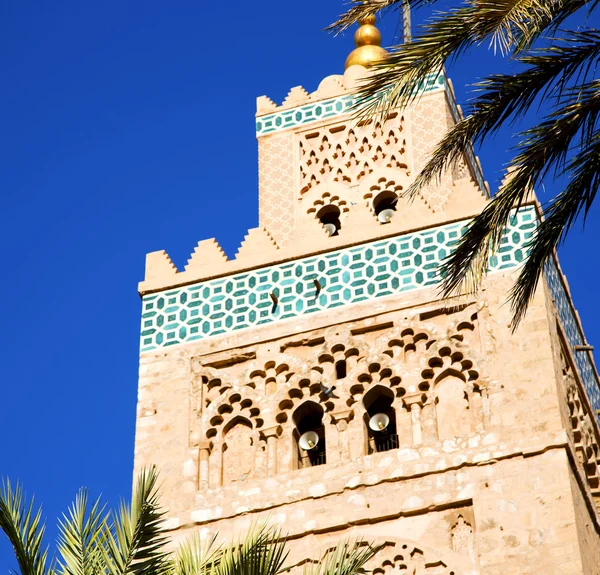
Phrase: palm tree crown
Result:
[554,65]
[133,541]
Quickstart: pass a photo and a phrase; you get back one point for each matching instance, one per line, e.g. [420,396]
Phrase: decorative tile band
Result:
[326,109]
[573,333]
[350,275]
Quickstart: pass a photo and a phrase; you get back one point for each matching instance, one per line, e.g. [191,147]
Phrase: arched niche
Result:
[238,451]
[379,400]
[452,405]
[308,417]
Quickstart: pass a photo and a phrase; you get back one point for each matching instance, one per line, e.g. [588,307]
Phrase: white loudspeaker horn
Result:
[331,229]
[379,422]
[308,440]
[385,216]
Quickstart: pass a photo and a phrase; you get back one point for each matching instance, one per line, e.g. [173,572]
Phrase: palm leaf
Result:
[135,542]
[196,556]
[545,148]
[347,558]
[23,526]
[80,536]
[261,552]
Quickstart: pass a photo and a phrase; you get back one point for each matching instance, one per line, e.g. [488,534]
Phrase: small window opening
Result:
[380,421]
[385,206]
[340,369]
[310,435]
[329,216]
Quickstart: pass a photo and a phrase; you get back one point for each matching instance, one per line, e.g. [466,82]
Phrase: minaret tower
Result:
[319,379]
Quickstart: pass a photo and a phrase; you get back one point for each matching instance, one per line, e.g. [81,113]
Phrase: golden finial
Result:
[368,44]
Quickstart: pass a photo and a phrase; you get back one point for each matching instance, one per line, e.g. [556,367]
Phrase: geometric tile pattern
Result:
[276,184]
[574,335]
[314,284]
[429,123]
[326,109]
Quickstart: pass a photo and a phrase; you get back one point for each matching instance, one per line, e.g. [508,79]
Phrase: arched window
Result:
[341,369]
[309,435]
[384,206]
[329,216]
[380,420]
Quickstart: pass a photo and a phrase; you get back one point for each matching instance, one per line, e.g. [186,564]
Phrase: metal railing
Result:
[386,442]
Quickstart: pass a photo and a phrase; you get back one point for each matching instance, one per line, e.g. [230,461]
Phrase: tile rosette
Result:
[351,275]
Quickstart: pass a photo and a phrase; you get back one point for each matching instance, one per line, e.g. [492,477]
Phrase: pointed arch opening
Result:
[309,435]
[380,420]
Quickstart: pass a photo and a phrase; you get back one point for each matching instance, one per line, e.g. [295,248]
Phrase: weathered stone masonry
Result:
[489,463]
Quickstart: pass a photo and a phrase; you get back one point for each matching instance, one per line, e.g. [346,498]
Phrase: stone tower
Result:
[318,379]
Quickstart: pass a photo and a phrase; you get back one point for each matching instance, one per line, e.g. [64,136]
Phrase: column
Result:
[271,434]
[341,420]
[415,403]
[485,406]
[204,447]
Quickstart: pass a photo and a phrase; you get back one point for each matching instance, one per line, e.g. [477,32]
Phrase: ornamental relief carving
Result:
[582,430]
[348,153]
[404,557]
[399,387]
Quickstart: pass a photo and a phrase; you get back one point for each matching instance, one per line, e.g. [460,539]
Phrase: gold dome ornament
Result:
[368,45]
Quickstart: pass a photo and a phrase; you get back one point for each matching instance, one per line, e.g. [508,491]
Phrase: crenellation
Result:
[159,267]
[296,97]
[258,248]
[207,257]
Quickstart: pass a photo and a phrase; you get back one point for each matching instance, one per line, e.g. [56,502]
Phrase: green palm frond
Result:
[262,551]
[348,558]
[513,25]
[196,556]
[135,542]
[80,536]
[506,98]
[576,199]
[25,530]
[545,148]
[558,71]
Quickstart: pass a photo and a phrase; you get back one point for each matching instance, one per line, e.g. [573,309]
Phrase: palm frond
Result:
[348,558]
[135,543]
[514,25]
[545,148]
[80,537]
[23,526]
[261,552]
[576,199]
[507,97]
[196,556]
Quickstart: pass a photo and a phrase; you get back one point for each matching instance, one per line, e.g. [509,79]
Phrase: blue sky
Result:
[126,127]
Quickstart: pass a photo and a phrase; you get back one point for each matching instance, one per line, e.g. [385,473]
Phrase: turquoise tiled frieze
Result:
[326,109]
[573,333]
[350,275]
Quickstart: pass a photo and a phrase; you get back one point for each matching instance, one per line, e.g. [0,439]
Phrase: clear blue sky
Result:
[126,127]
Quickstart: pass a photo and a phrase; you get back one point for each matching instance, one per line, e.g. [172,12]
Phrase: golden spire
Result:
[368,44]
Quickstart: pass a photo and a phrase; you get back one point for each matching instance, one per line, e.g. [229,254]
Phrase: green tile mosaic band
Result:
[573,333]
[326,109]
[350,275]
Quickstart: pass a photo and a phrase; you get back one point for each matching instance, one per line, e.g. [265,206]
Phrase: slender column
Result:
[485,406]
[204,447]
[415,403]
[271,434]
[341,420]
